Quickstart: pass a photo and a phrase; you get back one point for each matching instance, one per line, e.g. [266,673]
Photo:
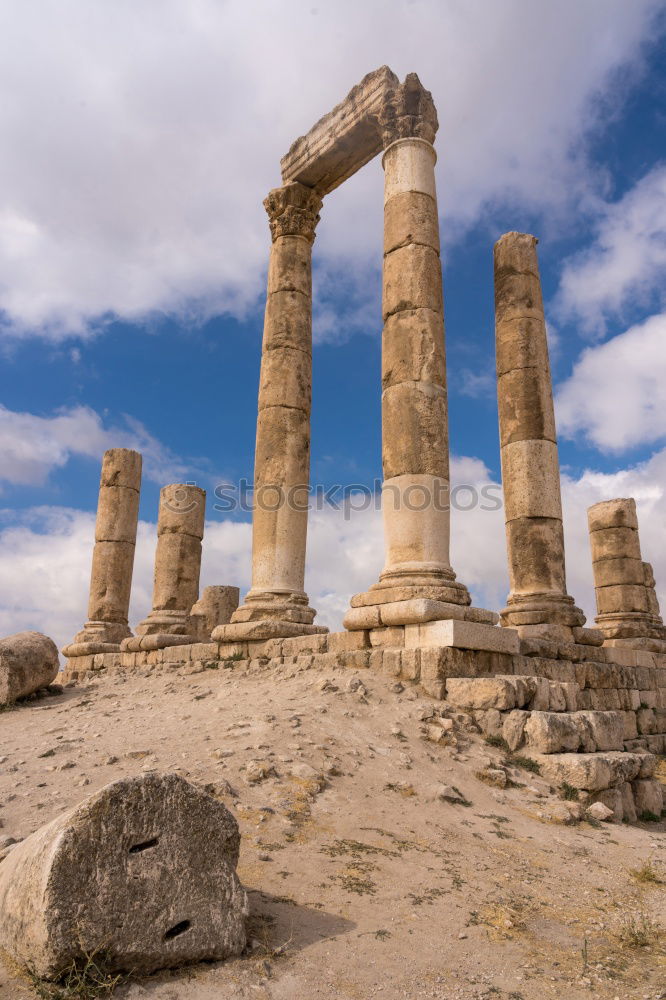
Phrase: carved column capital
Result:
[408,112]
[293,210]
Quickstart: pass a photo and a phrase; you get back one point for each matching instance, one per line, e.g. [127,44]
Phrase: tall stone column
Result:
[415,442]
[530,466]
[627,606]
[113,555]
[276,604]
[180,527]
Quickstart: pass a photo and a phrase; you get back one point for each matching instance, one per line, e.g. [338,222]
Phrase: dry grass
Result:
[85,979]
[646,874]
[638,930]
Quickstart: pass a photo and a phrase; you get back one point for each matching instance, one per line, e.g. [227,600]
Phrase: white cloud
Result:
[616,394]
[31,446]
[625,265]
[45,570]
[140,139]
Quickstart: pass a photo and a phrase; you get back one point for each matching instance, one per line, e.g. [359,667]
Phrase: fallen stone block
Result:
[600,812]
[28,662]
[141,874]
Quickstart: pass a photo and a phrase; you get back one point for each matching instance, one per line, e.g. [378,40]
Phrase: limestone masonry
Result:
[589,704]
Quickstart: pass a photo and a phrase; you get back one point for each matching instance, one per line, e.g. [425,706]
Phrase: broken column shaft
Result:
[530,466]
[113,555]
[627,605]
[180,527]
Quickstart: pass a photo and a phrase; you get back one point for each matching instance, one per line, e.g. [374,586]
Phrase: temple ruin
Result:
[589,703]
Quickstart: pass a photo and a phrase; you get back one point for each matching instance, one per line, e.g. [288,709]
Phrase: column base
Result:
[275,605]
[414,611]
[160,629]
[268,628]
[97,637]
[541,609]
[631,627]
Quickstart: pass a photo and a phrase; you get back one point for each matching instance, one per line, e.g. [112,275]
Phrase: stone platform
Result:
[592,717]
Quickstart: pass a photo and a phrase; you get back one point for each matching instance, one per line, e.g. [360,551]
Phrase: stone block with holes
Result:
[142,874]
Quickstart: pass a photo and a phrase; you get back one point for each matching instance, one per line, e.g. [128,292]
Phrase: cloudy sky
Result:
[138,142]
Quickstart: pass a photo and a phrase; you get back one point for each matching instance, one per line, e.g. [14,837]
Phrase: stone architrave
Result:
[113,556]
[141,875]
[530,466]
[180,528]
[627,605]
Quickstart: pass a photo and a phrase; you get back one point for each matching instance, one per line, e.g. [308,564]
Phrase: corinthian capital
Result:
[408,112]
[293,210]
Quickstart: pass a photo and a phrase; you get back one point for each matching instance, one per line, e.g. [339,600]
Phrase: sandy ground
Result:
[361,882]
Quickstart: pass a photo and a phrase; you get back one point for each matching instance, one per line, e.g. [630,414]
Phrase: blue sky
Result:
[133,249]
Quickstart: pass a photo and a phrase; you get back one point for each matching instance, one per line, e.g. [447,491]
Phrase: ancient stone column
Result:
[113,555]
[215,607]
[277,604]
[415,445]
[530,466]
[624,585]
[180,527]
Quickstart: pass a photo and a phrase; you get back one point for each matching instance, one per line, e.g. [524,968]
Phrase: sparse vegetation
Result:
[527,763]
[638,930]
[646,874]
[499,742]
[568,792]
[649,817]
[86,979]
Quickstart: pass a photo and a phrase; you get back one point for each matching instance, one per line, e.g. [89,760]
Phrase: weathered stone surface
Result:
[503,693]
[552,732]
[600,812]
[412,280]
[589,771]
[113,555]
[410,217]
[215,607]
[413,348]
[530,467]
[619,513]
[513,728]
[142,872]
[648,796]
[28,662]
[343,140]
[463,634]
[416,414]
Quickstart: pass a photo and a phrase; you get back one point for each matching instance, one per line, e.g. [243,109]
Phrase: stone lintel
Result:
[344,140]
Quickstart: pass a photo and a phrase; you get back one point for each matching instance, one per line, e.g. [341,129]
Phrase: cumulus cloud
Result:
[140,139]
[32,446]
[616,393]
[624,267]
[45,570]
